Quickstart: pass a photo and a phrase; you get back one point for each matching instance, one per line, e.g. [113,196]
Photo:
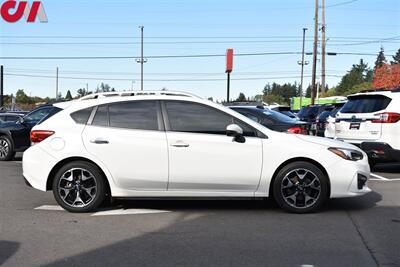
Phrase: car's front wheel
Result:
[300,187]
[79,187]
[6,149]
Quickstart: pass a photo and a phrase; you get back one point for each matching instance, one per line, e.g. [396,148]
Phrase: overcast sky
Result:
[204,27]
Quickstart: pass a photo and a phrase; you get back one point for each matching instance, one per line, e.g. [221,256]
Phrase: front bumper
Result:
[351,180]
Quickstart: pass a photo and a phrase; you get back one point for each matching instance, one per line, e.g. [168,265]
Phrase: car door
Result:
[202,157]
[129,139]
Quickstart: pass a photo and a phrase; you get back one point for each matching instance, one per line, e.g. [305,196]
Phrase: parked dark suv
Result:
[15,136]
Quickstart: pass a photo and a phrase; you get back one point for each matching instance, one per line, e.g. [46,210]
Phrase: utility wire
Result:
[174,56]
[158,80]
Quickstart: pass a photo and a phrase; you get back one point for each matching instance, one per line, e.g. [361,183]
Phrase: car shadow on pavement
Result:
[366,201]
[388,168]
[358,203]
[7,249]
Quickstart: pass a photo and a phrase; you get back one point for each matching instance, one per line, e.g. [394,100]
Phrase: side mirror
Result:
[236,132]
[21,120]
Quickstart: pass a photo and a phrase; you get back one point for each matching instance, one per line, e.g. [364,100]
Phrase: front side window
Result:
[197,118]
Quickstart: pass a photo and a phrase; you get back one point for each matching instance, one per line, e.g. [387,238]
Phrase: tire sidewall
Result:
[304,165]
[11,153]
[99,177]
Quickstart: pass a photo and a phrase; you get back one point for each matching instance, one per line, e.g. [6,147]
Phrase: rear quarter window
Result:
[81,116]
[366,104]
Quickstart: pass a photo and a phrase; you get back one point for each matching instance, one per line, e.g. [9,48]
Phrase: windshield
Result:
[366,104]
[308,112]
[278,116]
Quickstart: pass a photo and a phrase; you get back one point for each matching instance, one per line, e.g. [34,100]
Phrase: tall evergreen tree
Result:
[68,96]
[396,58]
[241,98]
[380,60]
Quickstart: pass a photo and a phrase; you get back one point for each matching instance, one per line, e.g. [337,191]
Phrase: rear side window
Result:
[140,115]
[366,104]
[101,117]
[81,116]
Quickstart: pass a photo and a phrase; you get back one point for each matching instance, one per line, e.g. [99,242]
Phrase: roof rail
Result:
[136,93]
[395,89]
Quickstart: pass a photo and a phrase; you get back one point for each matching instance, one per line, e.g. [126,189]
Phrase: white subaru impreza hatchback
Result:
[172,144]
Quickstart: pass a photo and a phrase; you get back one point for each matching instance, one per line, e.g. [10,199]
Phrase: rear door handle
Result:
[180,144]
[99,141]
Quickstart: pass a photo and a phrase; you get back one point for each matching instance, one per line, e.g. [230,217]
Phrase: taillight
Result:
[387,117]
[297,130]
[38,136]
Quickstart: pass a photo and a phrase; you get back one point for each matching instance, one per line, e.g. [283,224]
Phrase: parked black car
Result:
[15,136]
[9,117]
[285,111]
[273,119]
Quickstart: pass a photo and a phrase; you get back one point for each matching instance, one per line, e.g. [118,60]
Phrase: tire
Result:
[7,152]
[300,187]
[79,186]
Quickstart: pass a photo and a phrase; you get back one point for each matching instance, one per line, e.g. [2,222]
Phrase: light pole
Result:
[141,60]
[302,63]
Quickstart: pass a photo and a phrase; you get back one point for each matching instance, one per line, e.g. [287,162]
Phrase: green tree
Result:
[22,98]
[103,88]
[271,99]
[380,60]
[308,91]
[210,99]
[68,96]
[241,98]
[396,58]
[358,74]
[82,92]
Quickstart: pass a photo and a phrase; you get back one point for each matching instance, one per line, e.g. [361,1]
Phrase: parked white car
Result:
[371,120]
[172,144]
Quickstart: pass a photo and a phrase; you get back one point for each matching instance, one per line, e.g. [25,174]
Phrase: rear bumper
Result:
[36,165]
[380,152]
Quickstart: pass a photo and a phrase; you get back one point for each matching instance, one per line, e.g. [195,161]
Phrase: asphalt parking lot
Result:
[361,231]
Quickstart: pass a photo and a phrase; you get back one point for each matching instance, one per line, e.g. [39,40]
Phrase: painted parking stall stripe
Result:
[378,177]
[381,178]
[116,212]
[128,212]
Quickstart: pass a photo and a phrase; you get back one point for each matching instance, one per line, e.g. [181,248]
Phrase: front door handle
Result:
[99,141]
[180,144]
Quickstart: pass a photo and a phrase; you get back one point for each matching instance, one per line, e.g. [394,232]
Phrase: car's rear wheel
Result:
[6,149]
[300,187]
[79,187]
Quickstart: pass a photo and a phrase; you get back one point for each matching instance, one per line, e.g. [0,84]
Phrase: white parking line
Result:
[128,212]
[381,178]
[107,212]
[49,207]
[378,177]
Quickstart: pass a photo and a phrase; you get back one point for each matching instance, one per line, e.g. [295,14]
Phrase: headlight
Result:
[349,154]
